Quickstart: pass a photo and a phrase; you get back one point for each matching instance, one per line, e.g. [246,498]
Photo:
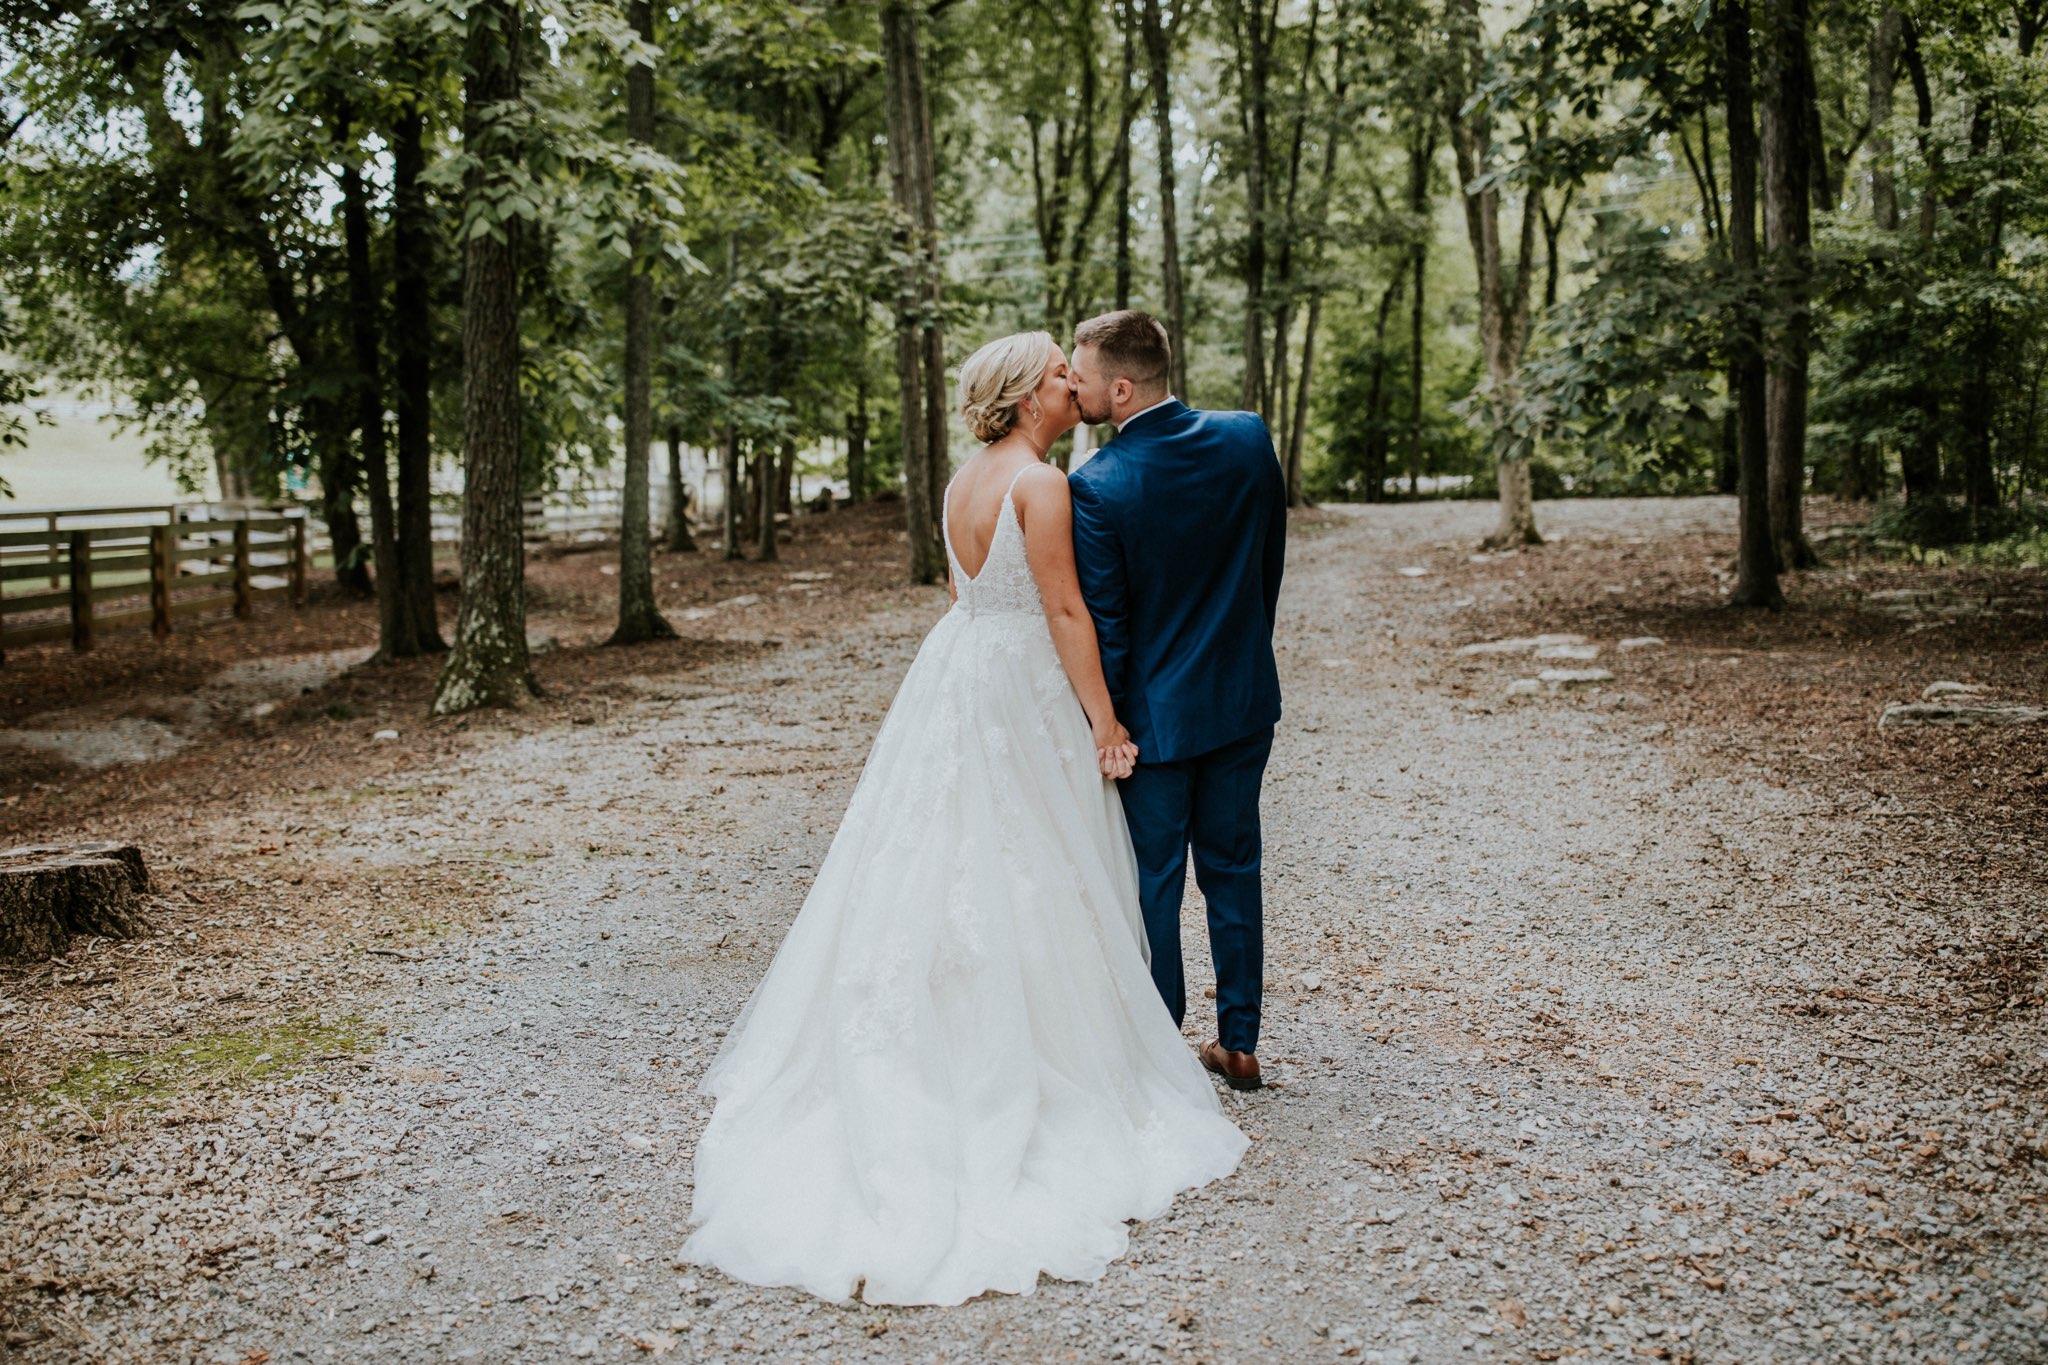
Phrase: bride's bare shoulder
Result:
[1040,485]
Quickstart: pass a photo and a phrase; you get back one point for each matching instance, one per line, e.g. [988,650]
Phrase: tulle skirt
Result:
[956,1074]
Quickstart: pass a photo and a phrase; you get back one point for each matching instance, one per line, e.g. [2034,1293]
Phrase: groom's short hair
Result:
[1132,345]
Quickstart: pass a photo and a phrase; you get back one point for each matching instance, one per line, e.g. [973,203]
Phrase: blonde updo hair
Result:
[995,381]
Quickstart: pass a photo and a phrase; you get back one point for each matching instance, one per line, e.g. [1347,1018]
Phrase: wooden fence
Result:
[98,568]
[98,577]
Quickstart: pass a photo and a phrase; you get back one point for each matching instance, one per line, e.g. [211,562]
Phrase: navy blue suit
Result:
[1180,536]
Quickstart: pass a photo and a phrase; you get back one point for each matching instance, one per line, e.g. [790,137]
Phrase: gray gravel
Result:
[1547,1079]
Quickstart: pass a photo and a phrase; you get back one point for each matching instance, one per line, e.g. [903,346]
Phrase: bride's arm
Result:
[1046,512]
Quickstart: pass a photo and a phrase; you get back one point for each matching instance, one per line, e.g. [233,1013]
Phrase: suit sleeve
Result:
[1099,563]
[1274,563]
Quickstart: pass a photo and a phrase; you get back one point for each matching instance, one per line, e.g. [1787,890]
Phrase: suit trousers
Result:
[1208,803]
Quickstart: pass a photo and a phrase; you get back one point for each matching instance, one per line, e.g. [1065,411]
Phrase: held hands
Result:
[1115,755]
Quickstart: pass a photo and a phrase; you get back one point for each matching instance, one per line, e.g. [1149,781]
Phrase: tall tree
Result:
[1887,33]
[1314,232]
[1503,286]
[396,635]
[1286,260]
[1125,24]
[920,340]
[413,233]
[1788,238]
[1172,288]
[732,503]
[1253,27]
[639,619]
[1756,561]
[488,665]
[1421,164]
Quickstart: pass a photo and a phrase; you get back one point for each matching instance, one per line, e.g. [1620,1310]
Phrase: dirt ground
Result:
[1684,1013]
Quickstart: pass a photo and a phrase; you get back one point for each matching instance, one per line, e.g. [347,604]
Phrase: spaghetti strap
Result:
[1010,500]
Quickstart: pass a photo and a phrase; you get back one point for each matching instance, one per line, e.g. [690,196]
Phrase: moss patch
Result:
[105,1079]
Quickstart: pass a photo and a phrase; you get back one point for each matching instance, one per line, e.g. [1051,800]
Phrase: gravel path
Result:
[1581,1050]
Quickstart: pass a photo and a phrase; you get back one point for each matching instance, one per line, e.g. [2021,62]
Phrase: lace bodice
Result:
[1005,583]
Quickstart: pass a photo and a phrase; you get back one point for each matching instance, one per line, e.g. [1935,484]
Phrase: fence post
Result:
[299,556]
[244,604]
[81,590]
[161,539]
[55,577]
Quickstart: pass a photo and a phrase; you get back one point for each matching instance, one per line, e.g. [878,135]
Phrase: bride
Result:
[957,1073]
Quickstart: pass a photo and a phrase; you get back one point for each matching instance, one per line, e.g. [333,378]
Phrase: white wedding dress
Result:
[957,1074]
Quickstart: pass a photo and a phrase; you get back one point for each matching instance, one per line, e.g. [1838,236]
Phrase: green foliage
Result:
[1621,388]
[16,389]
[1365,439]
[1946,523]
[169,235]
[1930,333]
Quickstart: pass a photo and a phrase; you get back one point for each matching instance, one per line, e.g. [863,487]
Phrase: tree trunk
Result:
[1728,471]
[412,355]
[1978,401]
[1255,58]
[1728,459]
[731,502]
[1123,167]
[750,494]
[49,895]
[1503,300]
[328,427]
[785,481]
[920,346]
[764,504]
[1863,466]
[1172,302]
[857,441]
[1920,460]
[1421,158]
[396,638]
[1881,77]
[1788,239]
[639,618]
[1340,84]
[1756,561]
[1279,394]
[488,665]
[1378,406]
[679,538]
[1553,225]
[1297,437]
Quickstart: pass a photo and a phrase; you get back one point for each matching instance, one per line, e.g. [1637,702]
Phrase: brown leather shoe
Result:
[1239,1070]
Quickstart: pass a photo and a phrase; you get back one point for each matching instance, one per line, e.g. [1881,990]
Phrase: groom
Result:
[1180,532]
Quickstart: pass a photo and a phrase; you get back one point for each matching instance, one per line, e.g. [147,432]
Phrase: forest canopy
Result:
[1515,250]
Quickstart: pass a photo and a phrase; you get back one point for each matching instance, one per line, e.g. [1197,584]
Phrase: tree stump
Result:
[49,894]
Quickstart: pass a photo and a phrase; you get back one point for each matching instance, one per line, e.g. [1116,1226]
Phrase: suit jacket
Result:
[1180,536]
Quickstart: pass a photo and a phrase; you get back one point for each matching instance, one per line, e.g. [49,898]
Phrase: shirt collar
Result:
[1142,411]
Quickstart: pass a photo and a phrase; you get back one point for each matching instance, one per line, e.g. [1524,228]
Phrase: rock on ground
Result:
[1905,713]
